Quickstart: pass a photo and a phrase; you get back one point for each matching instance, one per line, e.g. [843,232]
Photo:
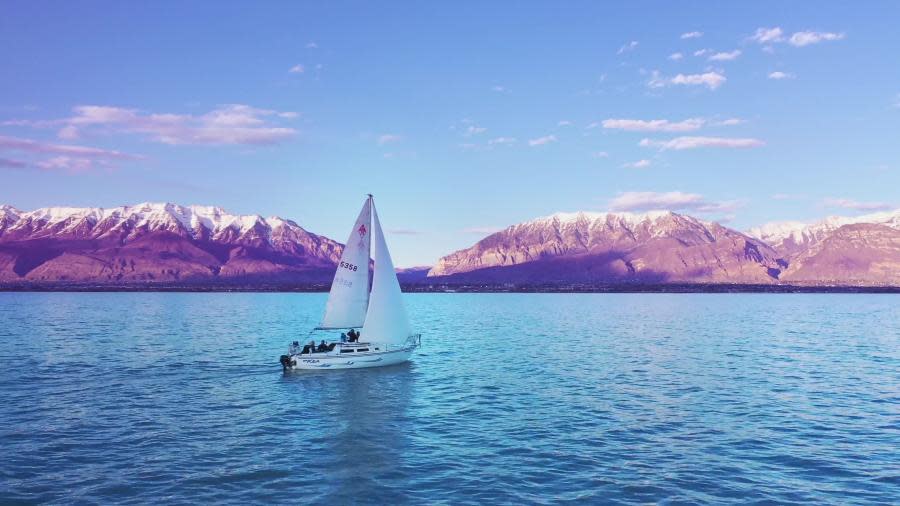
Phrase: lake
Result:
[513,398]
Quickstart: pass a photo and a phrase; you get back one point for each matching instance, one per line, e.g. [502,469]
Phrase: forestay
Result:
[349,296]
[386,320]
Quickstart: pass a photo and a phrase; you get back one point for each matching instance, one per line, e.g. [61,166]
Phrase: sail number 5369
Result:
[349,267]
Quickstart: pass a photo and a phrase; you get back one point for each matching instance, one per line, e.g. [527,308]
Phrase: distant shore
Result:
[453,288]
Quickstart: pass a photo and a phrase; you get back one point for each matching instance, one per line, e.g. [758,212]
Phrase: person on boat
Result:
[343,337]
[312,346]
[322,346]
[353,335]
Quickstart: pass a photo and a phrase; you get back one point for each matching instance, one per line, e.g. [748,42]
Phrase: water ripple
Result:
[514,398]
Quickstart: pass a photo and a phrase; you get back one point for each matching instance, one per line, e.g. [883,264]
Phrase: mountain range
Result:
[159,243]
[168,243]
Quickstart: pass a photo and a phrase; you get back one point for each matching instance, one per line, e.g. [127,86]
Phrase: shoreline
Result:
[452,288]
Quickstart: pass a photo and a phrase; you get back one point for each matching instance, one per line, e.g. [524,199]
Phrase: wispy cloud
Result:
[499,89]
[897,101]
[856,205]
[630,46]
[801,39]
[403,231]
[227,124]
[676,56]
[672,201]
[725,56]
[32,146]
[540,141]
[774,35]
[297,69]
[768,35]
[711,80]
[501,141]
[312,45]
[640,164]
[654,125]
[730,122]
[482,230]
[599,154]
[778,75]
[564,122]
[475,130]
[388,138]
[692,35]
[681,143]
[8,163]
[64,157]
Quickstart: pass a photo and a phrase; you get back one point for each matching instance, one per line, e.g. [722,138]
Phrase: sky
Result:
[460,117]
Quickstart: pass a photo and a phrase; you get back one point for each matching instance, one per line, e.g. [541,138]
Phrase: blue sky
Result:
[461,117]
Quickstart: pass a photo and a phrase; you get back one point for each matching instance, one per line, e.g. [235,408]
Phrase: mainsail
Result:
[386,320]
[349,296]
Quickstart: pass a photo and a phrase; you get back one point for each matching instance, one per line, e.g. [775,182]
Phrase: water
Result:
[514,398]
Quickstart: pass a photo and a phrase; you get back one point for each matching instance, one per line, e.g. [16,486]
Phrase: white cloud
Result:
[297,69]
[711,80]
[857,205]
[600,154]
[723,56]
[768,35]
[227,124]
[675,201]
[640,164]
[498,89]
[312,45]
[540,141]
[630,46]
[564,123]
[388,138]
[681,143]
[68,132]
[502,141]
[731,122]
[676,56]
[778,75]
[655,125]
[801,39]
[692,35]
[474,130]
[701,52]
[64,157]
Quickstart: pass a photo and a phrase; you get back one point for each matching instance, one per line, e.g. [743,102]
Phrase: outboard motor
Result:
[285,362]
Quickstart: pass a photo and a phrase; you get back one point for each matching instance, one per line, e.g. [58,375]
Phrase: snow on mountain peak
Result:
[192,220]
[798,232]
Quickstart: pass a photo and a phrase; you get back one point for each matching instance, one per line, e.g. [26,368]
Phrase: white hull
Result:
[381,359]
[349,356]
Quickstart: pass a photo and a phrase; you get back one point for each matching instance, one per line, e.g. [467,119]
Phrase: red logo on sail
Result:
[362,230]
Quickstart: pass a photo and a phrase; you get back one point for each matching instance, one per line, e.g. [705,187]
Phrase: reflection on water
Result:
[514,398]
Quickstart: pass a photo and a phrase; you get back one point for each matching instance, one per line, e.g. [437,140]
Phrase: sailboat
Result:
[384,336]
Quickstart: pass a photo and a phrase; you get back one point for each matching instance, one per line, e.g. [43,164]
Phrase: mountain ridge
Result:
[171,243]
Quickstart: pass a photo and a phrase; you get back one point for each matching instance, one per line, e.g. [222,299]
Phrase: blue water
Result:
[514,398]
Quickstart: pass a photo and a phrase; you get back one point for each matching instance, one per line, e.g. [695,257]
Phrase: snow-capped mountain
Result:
[156,242]
[658,246]
[841,250]
[791,237]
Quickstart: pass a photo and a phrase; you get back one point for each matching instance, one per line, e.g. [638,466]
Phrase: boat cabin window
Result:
[347,351]
[362,349]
